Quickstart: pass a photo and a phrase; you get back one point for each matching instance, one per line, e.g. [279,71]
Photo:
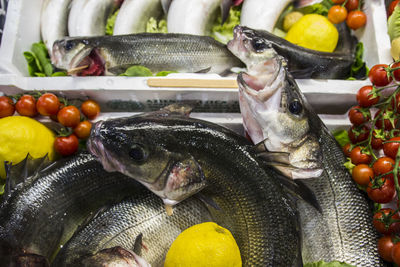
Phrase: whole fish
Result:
[42,213]
[119,226]
[273,107]
[53,21]
[308,63]
[196,16]
[133,16]
[89,17]
[263,15]
[175,156]
[172,52]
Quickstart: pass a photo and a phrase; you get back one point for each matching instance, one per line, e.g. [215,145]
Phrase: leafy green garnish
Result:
[327,264]
[321,8]
[156,27]
[39,64]
[137,71]
[342,137]
[359,69]
[224,33]
[111,22]
[165,73]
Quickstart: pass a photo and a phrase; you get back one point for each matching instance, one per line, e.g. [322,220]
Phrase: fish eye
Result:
[68,45]
[137,153]
[258,45]
[295,107]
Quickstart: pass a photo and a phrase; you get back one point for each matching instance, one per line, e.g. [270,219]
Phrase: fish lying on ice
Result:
[195,16]
[158,52]
[263,15]
[43,212]
[308,63]
[176,156]
[53,21]
[133,16]
[343,231]
[89,17]
[120,225]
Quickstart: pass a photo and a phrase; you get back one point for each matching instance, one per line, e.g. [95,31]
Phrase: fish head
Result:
[146,151]
[71,54]
[115,256]
[274,110]
[251,49]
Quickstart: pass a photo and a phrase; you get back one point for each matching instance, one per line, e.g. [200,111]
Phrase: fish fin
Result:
[178,108]
[137,246]
[165,5]
[91,216]
[208,201]
[227,72]
[24,172]
[225,7]
[205,70]
[300,190]
[275,158]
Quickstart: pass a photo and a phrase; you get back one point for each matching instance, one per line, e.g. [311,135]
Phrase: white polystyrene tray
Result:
[22,28]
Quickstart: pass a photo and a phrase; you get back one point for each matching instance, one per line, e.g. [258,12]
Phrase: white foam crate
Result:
[22,28]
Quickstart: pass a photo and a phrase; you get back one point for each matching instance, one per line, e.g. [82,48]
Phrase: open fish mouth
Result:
[87,63]
[260,87]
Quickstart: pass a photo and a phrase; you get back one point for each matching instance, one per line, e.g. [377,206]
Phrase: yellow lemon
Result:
[205,244]
[22,135]
[314,31]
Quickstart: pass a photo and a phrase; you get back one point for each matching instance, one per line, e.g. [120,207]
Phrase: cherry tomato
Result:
[351,5]
[396,253]
[337,14]
[385,247]
[391,7]
[364,98]
[6,107]
[383,165]
[382,194]
[378,75]
[363,135]
[69,116]
[48,104]
[66,145]
[396,73]
[26,106]
[356,117]
[82,130]
[346,149]
[362,174]
[387,125]
[359,158]
[390,149]
[91,109]
[338,1]
[386,227]
[376,143]
[356,19]
[54,117]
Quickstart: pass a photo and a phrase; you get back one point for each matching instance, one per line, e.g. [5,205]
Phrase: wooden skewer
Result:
[192,83]
[75,70]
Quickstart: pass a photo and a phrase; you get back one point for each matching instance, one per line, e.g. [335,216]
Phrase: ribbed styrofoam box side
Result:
[23,28]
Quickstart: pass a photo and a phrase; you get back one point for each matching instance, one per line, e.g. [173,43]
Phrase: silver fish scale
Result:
[172,52]
[40,216]
[121,224]
[345,231]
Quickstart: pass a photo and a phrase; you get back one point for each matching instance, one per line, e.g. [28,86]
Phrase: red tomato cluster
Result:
[49,104]
[375,141]
[348,11]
